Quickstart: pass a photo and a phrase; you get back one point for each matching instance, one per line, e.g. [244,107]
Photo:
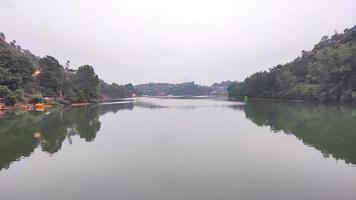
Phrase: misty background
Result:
[141,41]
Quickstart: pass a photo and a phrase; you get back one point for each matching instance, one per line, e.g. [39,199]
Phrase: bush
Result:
[37,98]
[70,96]
[63,102]
[20,94]
[4,91]
[304,91]
[10,99]
[353,95]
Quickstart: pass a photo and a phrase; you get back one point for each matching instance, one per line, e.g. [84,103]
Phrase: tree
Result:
[67,65]
[86,81]
[324,38]
[10,99]
[4,91]
[129,86]
[52,77]
[15,70]
[2,36]
[20,94]
[37,98]
[327,72]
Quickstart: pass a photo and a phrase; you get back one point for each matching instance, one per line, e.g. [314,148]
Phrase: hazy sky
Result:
[173,40]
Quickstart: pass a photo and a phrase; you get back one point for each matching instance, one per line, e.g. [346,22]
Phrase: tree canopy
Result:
[26,77]
[327,72]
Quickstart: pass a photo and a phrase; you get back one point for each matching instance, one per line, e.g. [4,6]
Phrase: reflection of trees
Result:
[17,132]
[83,122]
[114,107]
[16,138]
[143,104]
[55,128]
[330,129]
[53,132]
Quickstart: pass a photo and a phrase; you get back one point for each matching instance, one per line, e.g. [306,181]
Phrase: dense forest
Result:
[110,91]
[25,77]
[326,73]
[182,89]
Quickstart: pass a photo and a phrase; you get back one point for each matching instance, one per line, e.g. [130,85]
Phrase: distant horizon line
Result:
[173,83]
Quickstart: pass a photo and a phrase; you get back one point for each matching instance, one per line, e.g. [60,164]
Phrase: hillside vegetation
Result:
[182,89]
[25,77]
[326,73]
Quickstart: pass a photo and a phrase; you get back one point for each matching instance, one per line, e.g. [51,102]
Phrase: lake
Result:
[181,149]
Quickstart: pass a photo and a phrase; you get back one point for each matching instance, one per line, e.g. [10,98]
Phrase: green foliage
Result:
[188,89]
[37,98]
[4,90]
[10,99]
[353,95]
[20,94]
[129,87]
[303,89]
[86,81]
[181,89]
[70,96]
[15,69]
[328,72]
[234,89]
[307,88]
[114,90]
[52,76]
[16,77]
[2,36]
[81,97]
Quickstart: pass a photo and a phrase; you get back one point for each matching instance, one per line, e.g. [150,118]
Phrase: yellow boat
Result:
[40,107]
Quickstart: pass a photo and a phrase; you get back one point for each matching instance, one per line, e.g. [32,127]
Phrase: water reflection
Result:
[20,135]
[329,128]
[114,107]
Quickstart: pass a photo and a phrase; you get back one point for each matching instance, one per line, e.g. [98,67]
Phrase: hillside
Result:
[326,73]
[26,78]
[182,89]
[107,91]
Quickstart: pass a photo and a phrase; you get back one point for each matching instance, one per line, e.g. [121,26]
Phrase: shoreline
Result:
[80,104]
[327,102]
[28,107]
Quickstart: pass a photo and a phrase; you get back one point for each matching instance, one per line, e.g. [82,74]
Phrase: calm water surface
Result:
[181,149]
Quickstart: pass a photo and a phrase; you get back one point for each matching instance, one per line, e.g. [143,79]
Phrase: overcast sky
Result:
[204,41]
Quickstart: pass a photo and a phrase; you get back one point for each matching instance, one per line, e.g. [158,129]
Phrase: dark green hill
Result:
[326,73]
[25,77]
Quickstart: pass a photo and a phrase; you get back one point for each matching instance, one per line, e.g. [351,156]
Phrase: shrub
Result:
[63,102]
[10,99]
[353,95]
[306,88]
[20,94]
[4,91]
[37,98]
